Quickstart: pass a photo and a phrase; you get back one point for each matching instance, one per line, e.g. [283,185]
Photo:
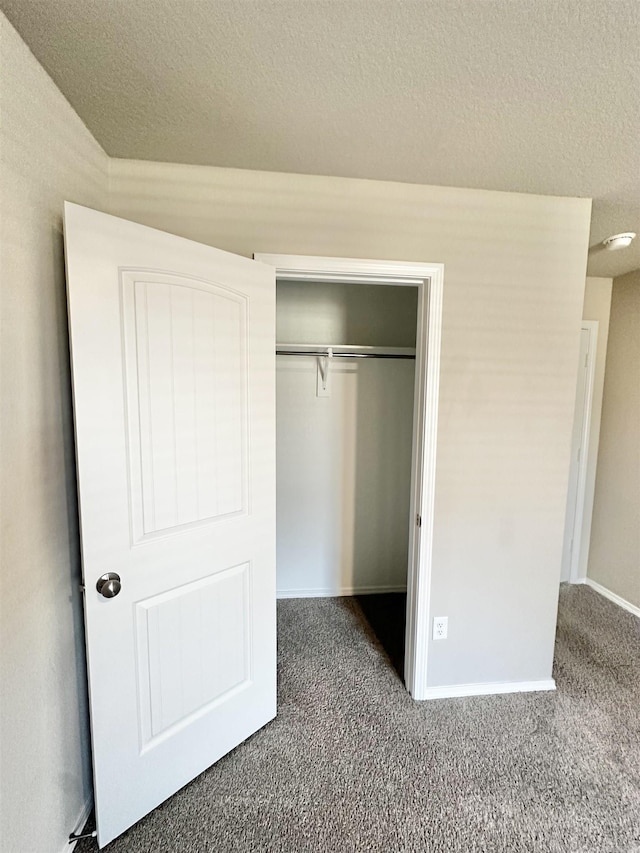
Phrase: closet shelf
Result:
[345,351]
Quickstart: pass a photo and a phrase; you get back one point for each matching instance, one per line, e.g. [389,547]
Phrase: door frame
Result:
[429,280]
[580,551]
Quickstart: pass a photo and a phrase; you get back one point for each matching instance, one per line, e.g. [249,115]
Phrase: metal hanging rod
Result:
[345,351]
[321,353]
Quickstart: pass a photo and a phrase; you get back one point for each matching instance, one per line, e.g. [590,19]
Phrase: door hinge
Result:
[419,520]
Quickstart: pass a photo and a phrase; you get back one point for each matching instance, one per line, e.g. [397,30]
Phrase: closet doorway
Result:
[357,365]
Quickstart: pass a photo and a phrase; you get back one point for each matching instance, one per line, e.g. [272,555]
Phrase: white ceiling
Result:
[539,96]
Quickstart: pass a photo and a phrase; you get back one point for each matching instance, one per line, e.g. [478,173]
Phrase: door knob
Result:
[109,585]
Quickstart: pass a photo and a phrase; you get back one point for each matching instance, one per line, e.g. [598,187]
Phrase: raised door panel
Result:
[193,650]
[185,365]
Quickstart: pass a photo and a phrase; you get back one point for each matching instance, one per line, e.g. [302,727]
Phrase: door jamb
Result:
[429,280]
[579,554]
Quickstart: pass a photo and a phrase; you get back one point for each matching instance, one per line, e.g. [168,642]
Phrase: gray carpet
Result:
[353,764]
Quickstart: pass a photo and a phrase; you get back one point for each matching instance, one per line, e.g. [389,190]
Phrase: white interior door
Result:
[174,395]
[578,441]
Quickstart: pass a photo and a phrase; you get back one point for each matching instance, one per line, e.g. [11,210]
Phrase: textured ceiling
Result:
[537,96]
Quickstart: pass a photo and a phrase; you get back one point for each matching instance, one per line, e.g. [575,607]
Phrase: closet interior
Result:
[345,375]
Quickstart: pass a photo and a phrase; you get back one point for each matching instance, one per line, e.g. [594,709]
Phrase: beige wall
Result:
[47,156]
[614,556]
[514,285]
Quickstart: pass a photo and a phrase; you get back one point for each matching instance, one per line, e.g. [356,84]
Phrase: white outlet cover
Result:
[440,627]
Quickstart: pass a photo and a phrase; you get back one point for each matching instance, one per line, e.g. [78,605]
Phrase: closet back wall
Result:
[344,460]
[514,276]
[335,313]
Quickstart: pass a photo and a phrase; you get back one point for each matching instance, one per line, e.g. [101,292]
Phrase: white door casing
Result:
[575,510]
[429,279]
[174,399]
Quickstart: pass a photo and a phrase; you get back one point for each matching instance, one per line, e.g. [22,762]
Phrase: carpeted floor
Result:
[353,764]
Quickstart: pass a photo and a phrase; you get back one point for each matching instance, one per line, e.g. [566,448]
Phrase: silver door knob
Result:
[109,585]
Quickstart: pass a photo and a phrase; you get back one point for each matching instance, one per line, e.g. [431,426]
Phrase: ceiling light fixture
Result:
[619,241]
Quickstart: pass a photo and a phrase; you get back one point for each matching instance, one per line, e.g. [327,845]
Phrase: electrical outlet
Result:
[440,627]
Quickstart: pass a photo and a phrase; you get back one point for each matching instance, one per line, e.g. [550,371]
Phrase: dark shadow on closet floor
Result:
[386,614]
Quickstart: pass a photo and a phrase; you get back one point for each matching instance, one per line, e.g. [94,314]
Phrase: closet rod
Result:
[321,353]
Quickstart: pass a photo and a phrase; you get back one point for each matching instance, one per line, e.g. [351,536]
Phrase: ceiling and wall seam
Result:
[527,97]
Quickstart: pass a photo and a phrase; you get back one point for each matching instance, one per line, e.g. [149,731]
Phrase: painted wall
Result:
[344,460]
[513,293]
[47,156]
[614,556]
[334,313]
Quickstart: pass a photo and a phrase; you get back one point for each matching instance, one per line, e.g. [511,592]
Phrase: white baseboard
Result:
[606,593]
[488,689]
[82,818]
[337,591]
